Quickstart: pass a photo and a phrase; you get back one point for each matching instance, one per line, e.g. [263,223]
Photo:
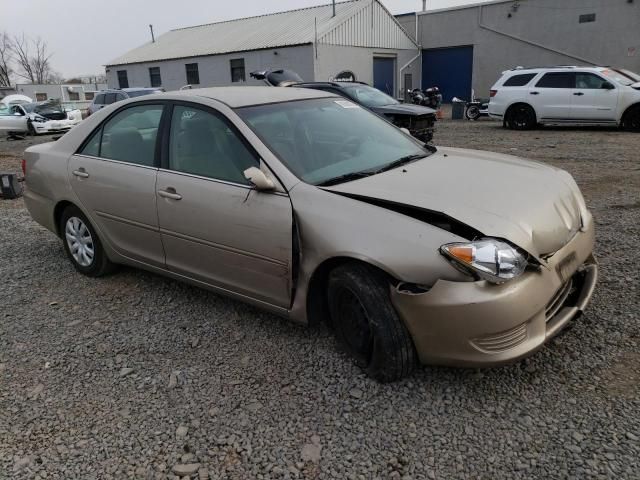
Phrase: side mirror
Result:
[608,86]
[406,130]
[259,179]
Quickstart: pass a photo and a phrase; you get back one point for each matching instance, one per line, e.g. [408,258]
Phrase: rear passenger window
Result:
[202,143]
[519,80]
[557,80]
[99,100]
[109,98]
[130,136]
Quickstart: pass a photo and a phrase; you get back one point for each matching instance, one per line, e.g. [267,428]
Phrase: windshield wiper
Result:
[347,177]
[402,161]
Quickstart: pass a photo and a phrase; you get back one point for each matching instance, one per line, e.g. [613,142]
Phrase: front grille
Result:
[503,341]
[422,124]
[558,300]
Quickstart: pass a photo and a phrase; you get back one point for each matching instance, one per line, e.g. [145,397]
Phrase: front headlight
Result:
[492,260]
[39,119]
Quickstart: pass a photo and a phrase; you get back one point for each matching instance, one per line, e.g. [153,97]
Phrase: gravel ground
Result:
[137,376]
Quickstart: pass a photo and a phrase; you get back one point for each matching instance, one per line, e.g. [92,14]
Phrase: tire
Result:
[521,117]
[631,121]
[366,325]
[473,112]
[82,245]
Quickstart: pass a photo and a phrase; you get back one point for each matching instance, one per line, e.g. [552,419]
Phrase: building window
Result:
[587,18]
[193,76]
[74,96]
[154,76]
[237,70]
[123,81]
[41,97]
[89,95]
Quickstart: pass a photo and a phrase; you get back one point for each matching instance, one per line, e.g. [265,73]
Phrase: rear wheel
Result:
[82,245]
[631,121]
[366,324]
[521,117]
[473,112]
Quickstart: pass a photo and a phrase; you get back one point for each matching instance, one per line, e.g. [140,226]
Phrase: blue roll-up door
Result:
[383,74]
[449,69]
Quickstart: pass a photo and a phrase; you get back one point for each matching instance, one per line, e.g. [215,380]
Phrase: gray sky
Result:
[86,34]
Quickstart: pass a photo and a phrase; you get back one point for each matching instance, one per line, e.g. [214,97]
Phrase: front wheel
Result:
[631,121]
[366,324]
[82,245]
[521,117]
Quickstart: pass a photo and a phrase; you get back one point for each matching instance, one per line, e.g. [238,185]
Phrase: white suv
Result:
[526,97]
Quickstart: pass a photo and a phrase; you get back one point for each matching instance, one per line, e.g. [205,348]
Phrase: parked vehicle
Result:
[37,118]
[317,209]
[476,109]
[429,97]
[419,121]
[526,97]
[107,97]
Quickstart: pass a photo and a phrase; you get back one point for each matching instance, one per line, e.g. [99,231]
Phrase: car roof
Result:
[245,96]
[329,84]
[139,89]
[560,68]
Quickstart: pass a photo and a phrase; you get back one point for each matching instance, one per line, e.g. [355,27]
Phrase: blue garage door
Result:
[449,69]
[383,74]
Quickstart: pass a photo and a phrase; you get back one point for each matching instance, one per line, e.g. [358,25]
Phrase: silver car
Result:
[305,204]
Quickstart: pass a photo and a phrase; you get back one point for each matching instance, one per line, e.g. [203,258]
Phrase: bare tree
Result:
[6,57]
[32,57]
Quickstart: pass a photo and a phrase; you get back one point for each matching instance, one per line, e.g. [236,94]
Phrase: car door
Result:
[114,177]
[215,227]
[12,119]
[594,98]
[551,96]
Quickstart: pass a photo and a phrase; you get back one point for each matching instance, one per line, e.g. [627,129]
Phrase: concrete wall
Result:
[537,33]
[333,59]
[215,70]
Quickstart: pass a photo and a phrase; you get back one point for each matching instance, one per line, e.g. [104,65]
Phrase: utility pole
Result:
[153,39]
[424,5]
[334,8]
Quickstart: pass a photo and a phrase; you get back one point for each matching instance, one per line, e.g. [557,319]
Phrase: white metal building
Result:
[358,36]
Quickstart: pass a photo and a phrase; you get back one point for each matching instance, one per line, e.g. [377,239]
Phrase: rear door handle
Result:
[170,193]
[534,93]
[578,94]
[80,173]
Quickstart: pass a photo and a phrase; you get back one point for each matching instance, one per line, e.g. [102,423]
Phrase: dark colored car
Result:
[419,120]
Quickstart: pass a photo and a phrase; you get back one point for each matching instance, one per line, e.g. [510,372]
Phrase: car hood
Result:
[404,109]
[534,206]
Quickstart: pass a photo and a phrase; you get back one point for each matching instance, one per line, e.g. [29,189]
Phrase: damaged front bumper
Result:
[481,324]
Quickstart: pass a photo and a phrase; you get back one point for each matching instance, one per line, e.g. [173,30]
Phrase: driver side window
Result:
[589,81]
[203,144]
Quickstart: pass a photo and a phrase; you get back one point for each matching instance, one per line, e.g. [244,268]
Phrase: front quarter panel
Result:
[334,226]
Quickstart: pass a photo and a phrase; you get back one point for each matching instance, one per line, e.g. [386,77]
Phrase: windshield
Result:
[621,78]
[324,139]
[369,96]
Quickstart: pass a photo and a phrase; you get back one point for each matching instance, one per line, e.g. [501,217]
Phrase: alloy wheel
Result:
[79,241]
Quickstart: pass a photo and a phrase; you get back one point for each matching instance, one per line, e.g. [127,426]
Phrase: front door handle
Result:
[534,93]
[80,173]
[578,94]
[170,193]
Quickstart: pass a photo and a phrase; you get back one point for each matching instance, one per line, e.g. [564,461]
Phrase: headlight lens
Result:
[492,260]
[39,119]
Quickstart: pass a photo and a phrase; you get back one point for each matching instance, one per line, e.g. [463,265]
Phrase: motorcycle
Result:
[477,108]
[429,97]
